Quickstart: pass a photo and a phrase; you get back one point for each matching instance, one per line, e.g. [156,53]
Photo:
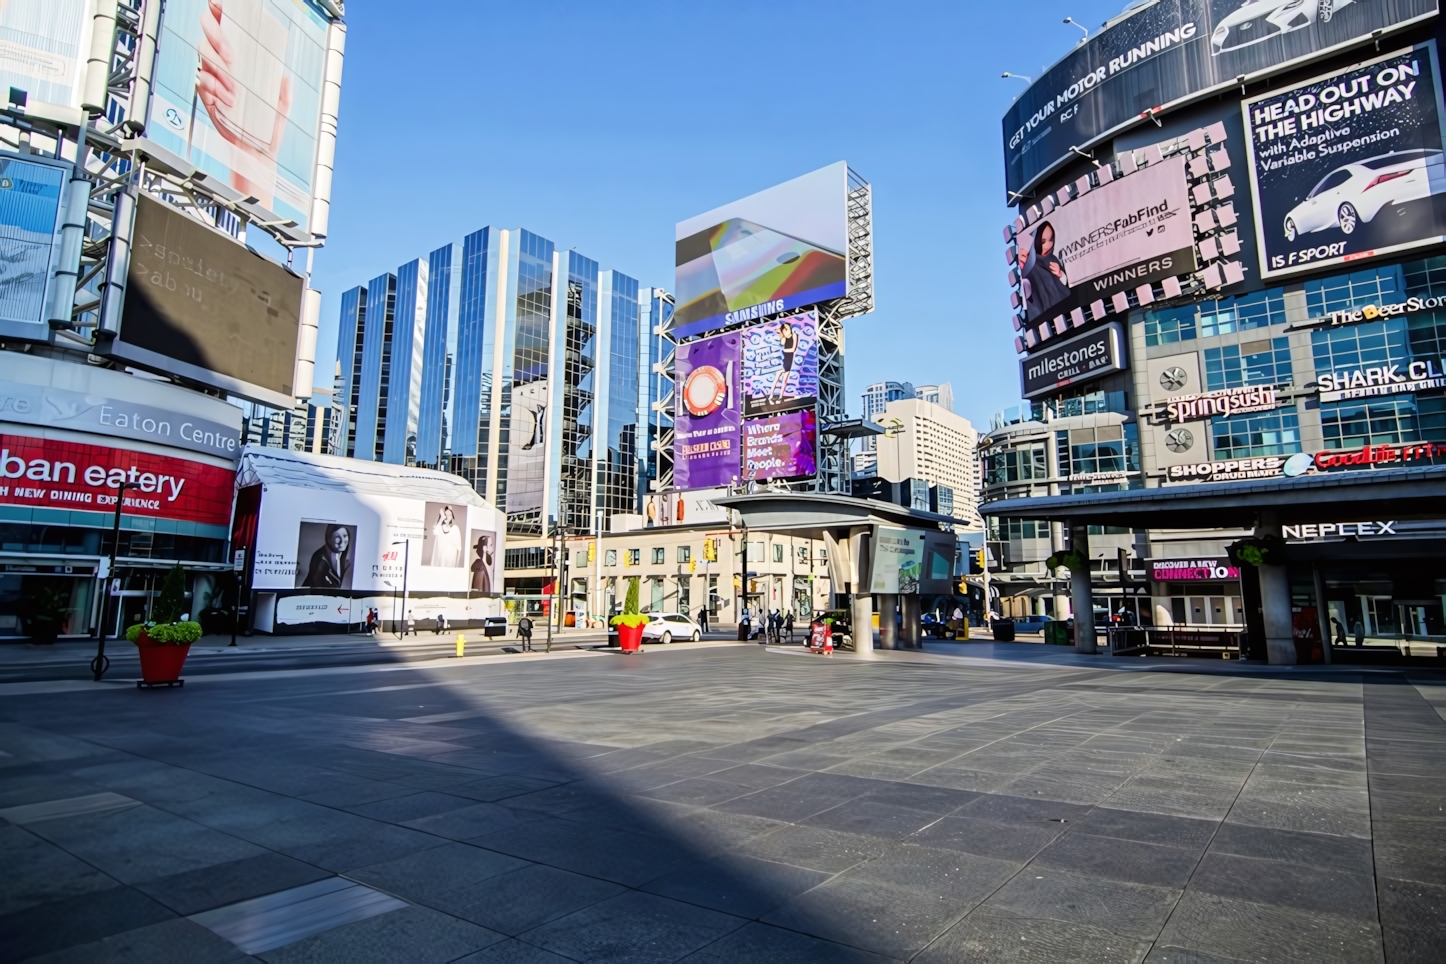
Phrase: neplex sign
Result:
[1327,530]
[73,475]
[1089,356]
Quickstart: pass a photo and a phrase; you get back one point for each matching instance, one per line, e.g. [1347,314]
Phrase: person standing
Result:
[703,618]
[788,625]
[1359,629]
[524,633]
[411,624]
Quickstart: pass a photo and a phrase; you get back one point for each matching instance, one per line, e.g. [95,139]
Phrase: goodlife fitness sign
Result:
[1089,356]
[71,475]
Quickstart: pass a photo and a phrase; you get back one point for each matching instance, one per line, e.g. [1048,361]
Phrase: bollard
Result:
[461,645]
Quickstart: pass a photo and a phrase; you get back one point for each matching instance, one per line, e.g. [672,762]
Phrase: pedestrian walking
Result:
[524,633]
[788,625]
[411,624]
[1340,631]
[703,618]
[441,624]
[1359,629]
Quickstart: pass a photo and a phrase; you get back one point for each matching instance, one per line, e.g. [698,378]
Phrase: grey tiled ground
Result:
[730,804]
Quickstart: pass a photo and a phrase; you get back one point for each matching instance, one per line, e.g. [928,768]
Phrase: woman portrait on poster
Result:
[1045,281]
[331,563]
[446,540]
[788,341]
[482,565]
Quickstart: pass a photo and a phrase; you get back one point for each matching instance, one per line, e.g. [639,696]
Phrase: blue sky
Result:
[599,125]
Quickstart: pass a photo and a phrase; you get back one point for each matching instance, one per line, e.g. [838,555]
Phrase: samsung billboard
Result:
[1171,52]
[771,252]
[1349,165]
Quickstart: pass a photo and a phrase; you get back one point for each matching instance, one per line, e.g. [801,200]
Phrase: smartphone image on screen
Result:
[757,264]
[258,44]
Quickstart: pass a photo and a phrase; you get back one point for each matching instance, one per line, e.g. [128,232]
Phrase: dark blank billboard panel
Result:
[1169,53]
[196,296]
[1349,165]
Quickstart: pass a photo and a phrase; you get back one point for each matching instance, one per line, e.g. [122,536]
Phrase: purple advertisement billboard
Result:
[780,364]
[707,419]
[780,446]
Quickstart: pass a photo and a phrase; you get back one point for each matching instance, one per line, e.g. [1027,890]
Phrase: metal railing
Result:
[1175,642]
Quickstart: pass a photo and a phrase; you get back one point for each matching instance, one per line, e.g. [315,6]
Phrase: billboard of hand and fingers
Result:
[237,92]
[780,446]
[1349,165]
[780,364]
[1169,53]
[327,551]
[779,249]
[1129,232]
[443,530]
[708,413]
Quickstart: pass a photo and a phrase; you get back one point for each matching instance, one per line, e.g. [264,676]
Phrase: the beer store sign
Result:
[1229,401]
[1372,313]
[1421,375]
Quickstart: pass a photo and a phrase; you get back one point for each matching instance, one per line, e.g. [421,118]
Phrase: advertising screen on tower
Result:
[780,446]
[202,306]
[708,417]
[30,212]
[780,364]
[1349,165]
[237,93]
[1168,53]
[1130,232]
[43,49]
[779,249]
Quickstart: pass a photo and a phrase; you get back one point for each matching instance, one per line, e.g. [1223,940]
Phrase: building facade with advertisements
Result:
[1276,288]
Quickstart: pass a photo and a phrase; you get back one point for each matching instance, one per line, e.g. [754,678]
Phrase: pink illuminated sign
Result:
[1192,570]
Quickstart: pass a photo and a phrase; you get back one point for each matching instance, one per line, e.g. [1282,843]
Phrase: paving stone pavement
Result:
[729,804]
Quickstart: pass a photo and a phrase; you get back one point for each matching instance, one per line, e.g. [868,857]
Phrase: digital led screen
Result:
[780,446]
[707,419]
[30,204]
[770,252]
[206,307]
[780,364]
[1349,165]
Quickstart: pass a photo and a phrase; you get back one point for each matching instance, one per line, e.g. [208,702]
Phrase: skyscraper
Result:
[941,395]
[510,362]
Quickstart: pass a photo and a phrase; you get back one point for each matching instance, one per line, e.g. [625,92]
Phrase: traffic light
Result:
[976,562]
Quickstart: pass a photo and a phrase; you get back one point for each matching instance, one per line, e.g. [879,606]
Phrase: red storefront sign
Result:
[72,475]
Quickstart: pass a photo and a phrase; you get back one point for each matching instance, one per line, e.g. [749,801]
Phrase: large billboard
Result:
[780,364]
[237,92]
[780,446]
[1127,233]
[1092,355]
[1349,165]
[708,417]
[1171,52]
[202,306]
[43,49]
[779,249]
[55,474]
[31,193]
[898,560]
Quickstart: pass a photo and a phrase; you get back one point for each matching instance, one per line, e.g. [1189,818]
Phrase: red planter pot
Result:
[160,663]
[630,638]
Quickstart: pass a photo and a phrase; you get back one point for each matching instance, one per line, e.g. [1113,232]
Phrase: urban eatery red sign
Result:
[1192,570]
[72,475]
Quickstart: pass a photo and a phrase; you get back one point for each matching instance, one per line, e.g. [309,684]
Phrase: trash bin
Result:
[1003,630]
[1056,634]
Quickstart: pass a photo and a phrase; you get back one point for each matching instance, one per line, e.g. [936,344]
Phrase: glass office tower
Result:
[511,362]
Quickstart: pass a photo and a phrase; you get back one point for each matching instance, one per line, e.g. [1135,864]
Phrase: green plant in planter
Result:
[45,609]
[165,627]
[167,634]
[1067,558]
[630,615]
[1257,550]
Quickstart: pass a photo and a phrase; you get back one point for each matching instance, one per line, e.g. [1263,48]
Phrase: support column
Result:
[1081,593]
[909,605]
[1323,616]
[888,615]
[1275,602]
[863,616]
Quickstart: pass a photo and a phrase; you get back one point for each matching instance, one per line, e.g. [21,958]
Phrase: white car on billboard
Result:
[1353,194]
[1259,20]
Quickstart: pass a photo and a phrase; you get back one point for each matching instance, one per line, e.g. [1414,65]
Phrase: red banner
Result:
[72,475]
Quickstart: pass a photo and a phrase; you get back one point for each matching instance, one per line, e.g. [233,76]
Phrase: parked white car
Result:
[1259,20]
[1355,193]
[666,627]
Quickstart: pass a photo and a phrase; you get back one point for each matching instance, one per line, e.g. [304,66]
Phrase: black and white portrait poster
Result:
[1349,165]
[443,528]
[483,555]
[325,553]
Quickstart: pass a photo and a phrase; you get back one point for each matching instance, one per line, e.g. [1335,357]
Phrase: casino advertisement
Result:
[708,416]
[1349,165]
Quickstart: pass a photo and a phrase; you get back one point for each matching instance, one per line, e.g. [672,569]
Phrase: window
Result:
[659,555]
[778,552]
[685,594]
[1353,424]
[1269,433]
[1372,286]
[1021,464]
[1084,451]
[635,557]
[1015,529]
[1426,277]
[1360,346]
[610,557]
[803,555]
[685,553]
[1427,333]
[1264,362]
[579,559]
[1220,317]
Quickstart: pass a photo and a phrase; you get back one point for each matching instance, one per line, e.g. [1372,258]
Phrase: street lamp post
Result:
[101,663]
[406,545]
